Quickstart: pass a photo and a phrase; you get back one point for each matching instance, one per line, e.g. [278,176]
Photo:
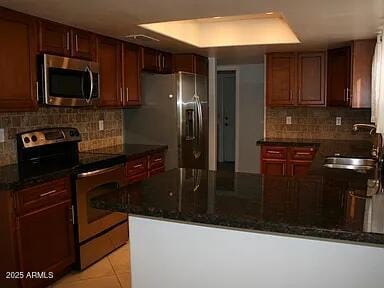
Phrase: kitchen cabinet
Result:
[144,167]
[311,79]
[131,75]
[296,79]
[286,161]
[155,61]
[281,69]
[338,76]
[17,61]
[62,40]
[362,57]
[44,230]
[109,58]
[190,63]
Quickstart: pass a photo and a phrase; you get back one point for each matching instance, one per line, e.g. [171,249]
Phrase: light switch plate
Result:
[338,121]
[288,120]
[2,138]
[101,125]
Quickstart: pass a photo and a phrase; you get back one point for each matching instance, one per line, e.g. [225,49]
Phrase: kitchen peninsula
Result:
[235,228]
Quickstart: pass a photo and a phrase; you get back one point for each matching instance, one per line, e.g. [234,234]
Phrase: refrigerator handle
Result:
[197,150]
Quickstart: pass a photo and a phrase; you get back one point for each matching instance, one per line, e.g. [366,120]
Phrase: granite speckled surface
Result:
[327,203]
[17,176]
[313,206]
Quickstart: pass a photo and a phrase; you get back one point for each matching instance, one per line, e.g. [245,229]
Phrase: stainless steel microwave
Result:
[68,81]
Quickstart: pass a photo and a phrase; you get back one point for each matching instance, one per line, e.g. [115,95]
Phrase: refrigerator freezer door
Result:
[192,120]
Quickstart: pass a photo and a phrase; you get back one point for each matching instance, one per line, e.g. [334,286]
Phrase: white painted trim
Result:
[265,95]
[237,112]
[212,104]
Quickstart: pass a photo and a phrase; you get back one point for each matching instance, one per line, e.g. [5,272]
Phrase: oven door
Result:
[93,221]
[70,82]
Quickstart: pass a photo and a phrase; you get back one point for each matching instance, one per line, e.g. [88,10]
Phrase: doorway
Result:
[226,113]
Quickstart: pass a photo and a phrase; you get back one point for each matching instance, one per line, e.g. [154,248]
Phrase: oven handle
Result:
[98,172]
[91,80]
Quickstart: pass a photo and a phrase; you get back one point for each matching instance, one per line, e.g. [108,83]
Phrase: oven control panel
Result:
[48,136]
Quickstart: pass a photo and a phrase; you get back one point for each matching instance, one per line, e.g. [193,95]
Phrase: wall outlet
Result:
[288,120]
[338,121]
[2,138]
[101,125]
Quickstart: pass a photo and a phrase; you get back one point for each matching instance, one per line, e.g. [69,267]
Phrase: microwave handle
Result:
[91,80]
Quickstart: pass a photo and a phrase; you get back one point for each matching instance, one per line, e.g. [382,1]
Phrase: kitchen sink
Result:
[359,164]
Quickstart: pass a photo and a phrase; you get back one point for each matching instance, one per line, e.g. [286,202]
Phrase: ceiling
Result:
[317,23]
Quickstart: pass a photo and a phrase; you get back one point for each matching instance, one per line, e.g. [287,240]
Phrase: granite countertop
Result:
[314,206]
[17,176]
[132,151]
[289,142]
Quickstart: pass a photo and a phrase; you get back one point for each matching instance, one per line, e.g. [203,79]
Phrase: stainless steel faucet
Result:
[376,148]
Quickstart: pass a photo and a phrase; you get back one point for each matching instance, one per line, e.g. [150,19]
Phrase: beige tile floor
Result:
[113,271]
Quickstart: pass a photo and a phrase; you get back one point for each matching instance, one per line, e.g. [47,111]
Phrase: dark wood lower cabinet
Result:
[274,167]
[46,243]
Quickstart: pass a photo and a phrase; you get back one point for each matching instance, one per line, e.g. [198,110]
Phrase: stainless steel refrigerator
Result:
[174,112]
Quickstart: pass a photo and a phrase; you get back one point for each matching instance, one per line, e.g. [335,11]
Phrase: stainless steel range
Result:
[97,232]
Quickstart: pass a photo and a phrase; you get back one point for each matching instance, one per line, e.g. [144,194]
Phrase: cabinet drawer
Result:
[156,160]
[136,167]
[137,177]
[302,153]
[156,171]
[274,152]
[41,195]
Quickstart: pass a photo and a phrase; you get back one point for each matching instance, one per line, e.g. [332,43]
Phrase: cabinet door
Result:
[54,38]
[338,76]
[298,168]
[201,65]
[131,75]
[273,167]
[184,63]
[362,56]
[109,55]
[311,79]
[149,59]
[17,61]
[165,62]
[83,44]
[46,241]
[281,79]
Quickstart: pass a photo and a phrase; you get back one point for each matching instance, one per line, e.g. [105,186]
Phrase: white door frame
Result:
[237,112]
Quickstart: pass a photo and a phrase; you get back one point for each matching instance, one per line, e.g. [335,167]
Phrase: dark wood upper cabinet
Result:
[17,61]
[190,63]
[362,57]
[155,61]
[54,38]
[83,44]
[281,86]
[131,75]
[109,58]
[311,79]
[62,40]
[338,76]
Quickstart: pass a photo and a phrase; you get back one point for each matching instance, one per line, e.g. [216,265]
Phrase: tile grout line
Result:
[114,272]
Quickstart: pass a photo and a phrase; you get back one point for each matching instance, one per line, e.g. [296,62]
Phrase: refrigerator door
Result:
[155,122]
[192,105]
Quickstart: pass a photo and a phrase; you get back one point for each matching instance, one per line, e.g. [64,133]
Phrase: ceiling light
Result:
[269,13]
[217,17]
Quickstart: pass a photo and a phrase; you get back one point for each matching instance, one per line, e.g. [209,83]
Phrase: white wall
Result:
[174,255]
[250,110]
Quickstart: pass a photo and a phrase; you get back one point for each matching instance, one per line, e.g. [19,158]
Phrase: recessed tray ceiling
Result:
[256,29]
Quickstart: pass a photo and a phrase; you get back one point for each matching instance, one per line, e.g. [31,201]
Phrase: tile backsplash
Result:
[316,123]
[86,120]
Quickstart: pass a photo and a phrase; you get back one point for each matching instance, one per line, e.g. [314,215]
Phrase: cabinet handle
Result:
[48,193]
[37,91]
[273,152]
[347,93]
[68,41]
[138,166]
[76,43]
[121,95]
[345,98]
[72,217]
[303,153]
[163,62]
[127,92]
[157,160]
